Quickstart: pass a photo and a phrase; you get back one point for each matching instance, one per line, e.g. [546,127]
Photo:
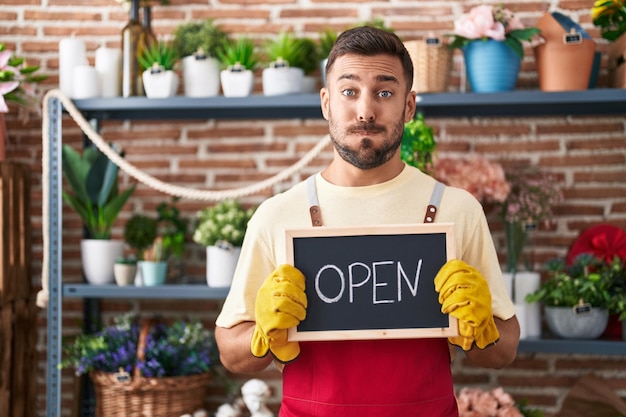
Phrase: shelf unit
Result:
[516,103]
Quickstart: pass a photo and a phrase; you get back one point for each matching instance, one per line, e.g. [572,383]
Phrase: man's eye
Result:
[385,94]
[348,92]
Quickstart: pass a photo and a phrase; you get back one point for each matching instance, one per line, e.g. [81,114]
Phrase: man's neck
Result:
[341,173]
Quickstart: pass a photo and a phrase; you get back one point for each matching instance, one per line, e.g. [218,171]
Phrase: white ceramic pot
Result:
[565,323]
[237,83]
[124,274]
[201,76]
[221,262]
[282,80]
[161,84]
[98,257]
[309,85]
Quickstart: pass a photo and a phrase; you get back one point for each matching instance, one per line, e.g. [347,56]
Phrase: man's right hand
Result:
[280,305]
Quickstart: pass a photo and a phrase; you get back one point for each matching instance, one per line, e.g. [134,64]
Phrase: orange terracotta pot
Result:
[561,65]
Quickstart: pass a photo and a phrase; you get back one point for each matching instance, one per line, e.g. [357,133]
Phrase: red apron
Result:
[370,378]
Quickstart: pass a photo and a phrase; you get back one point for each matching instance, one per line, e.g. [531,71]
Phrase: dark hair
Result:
[369,41]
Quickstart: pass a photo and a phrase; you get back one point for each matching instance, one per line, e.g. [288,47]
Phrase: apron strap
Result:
[435,199]
[314,206]
[316,213]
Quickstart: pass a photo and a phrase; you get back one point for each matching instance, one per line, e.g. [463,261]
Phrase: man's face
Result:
[366,105]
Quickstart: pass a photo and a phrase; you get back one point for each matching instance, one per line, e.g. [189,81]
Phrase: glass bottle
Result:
[133,43]
[147,25]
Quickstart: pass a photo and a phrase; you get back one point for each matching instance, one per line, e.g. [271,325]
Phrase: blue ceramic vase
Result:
[491,66]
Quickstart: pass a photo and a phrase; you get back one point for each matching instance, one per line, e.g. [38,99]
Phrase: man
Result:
[366,102]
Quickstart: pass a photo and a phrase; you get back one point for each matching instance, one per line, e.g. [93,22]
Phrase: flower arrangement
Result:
[532,196]
[180,349]
[475,402]
[224,222]
[484,179]
[492,22]
[16,79]
[610,16]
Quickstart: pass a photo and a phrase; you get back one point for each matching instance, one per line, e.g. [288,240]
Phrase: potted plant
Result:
[610,17]
[327,40]
[239,60]
[124,270]
[134,363]
[95,196]
[281,75]
[199,44]
[491,40]
[577,298]
[153,264]
[157,63]
[221,229]
[307,58]
[418,144]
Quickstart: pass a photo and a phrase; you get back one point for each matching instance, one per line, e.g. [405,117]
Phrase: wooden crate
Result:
[18,358]
[15,226]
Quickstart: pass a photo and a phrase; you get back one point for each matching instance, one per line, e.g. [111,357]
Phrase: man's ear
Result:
[324,102]
[410,107]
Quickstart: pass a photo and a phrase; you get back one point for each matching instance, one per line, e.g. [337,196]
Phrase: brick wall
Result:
[587,153]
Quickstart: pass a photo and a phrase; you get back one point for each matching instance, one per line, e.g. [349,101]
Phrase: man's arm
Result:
[503,352]
[234,347]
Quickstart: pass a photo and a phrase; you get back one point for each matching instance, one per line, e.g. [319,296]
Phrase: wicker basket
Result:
[120,395]
[432,62]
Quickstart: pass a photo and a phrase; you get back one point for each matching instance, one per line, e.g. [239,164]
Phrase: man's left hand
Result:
[464,294]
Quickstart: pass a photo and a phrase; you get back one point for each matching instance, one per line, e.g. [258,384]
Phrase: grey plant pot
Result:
[563,322]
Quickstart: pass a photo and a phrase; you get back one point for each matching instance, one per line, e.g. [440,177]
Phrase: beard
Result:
[365,154]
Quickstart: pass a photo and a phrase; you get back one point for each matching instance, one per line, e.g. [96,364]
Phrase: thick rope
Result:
[149,180]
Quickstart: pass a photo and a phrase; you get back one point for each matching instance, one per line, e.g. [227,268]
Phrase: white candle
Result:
[85,82]
[108,62]
[71,54]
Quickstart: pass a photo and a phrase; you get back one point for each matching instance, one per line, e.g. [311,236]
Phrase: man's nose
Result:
[365,110]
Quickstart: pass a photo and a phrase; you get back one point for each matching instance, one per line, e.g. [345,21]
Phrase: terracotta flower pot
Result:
[562,65]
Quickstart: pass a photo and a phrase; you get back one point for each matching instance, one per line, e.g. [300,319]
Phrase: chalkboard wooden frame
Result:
[443,233]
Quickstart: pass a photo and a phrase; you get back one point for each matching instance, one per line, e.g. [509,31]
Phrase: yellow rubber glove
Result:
[464,294]
[280,305]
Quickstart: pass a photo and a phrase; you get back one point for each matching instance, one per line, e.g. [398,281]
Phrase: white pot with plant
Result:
[221,229]
[158,61]
[199,44]
[281,75]
[239,59]
[95,196]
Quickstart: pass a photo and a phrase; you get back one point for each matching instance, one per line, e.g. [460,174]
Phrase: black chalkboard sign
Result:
[372,282]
